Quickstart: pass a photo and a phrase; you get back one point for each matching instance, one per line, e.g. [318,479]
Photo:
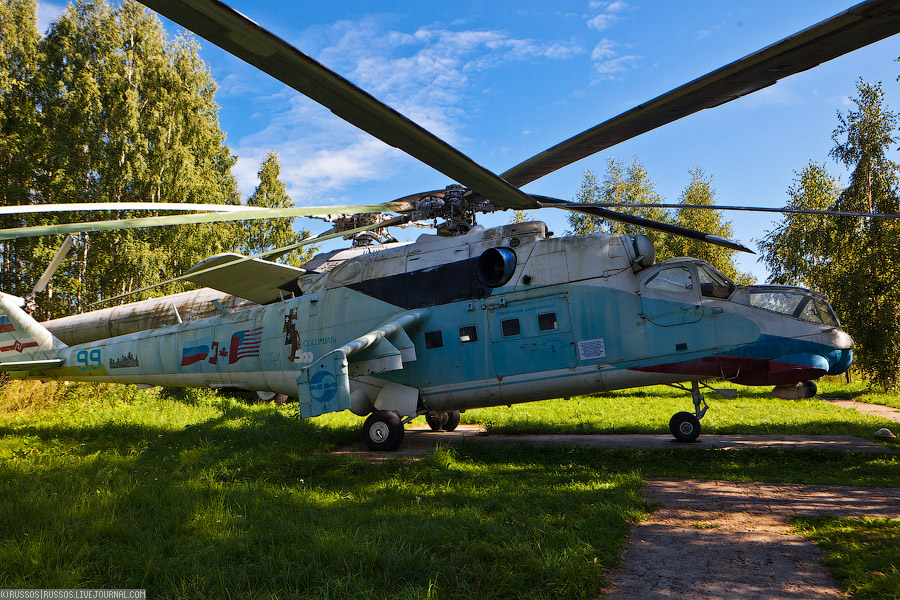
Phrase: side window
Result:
[713,284]
[676,279]
[510,327]
[433,339]
[547,322]
[468,334]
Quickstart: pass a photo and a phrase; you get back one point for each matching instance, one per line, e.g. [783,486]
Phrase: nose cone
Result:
[841,356]
[840,361]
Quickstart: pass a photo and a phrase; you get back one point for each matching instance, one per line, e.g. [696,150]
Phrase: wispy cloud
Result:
[609,63]
[428,74]
[609,13]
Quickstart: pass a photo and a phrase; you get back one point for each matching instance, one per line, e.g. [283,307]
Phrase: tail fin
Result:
[25,343]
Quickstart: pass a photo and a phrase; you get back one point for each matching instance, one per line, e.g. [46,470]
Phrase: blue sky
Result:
[503,81]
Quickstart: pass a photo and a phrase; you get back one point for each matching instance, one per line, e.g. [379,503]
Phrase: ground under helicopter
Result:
[472,317]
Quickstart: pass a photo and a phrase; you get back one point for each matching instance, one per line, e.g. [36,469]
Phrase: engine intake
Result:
[496,266]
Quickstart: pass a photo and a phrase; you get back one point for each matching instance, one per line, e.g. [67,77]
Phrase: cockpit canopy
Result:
[798,303]
[683,277]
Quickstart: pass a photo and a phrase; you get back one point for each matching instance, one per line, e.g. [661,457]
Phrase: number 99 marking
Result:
[88,360]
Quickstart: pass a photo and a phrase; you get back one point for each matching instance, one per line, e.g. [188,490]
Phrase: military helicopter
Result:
[469,317]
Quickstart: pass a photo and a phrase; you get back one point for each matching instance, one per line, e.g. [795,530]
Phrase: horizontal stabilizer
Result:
[257,280]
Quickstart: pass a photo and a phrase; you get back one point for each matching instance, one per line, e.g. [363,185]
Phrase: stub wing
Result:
[324,386]
[257,280]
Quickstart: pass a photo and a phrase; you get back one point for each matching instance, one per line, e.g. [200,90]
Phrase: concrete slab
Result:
[420,440]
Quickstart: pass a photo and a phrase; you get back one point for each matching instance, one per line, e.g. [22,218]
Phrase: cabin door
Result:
[529,336]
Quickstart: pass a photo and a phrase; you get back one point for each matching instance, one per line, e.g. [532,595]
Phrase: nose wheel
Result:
[685,426]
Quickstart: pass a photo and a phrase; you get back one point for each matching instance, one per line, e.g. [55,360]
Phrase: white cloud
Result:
[428,75]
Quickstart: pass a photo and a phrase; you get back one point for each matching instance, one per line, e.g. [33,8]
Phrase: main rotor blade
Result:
[859,26]
[792,211]
[61,253]
[247,215]
[121,206]
[283,250]
[235,33]
[605,213]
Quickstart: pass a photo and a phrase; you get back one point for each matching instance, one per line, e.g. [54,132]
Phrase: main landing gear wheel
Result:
[279,399]
[443,421]
[383,430]
[685,427]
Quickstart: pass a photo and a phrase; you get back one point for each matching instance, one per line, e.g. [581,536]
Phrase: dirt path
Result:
[877,410]
[721,539]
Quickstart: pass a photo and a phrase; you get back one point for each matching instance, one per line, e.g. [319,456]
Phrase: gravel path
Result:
[725,540]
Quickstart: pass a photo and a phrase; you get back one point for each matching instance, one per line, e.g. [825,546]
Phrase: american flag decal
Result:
[245,344]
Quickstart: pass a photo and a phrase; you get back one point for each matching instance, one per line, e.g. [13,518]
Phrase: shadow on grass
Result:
[170,520]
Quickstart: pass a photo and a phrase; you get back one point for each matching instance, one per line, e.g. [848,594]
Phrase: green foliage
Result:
[700,192]
[796,251]
[126,116]
[519,216]
[632,185]
[19,129]
[105,108]
[622,185]
[853,260]
[262,235]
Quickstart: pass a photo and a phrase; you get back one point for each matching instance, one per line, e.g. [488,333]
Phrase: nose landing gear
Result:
[685,426]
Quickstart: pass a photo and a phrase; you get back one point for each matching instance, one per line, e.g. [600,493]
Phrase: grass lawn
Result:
[195,495]
[648,410]
[862,554]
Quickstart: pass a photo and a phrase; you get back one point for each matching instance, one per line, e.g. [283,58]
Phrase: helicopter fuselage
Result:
[495,317]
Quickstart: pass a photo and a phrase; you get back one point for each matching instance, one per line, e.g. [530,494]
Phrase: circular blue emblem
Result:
[322,386]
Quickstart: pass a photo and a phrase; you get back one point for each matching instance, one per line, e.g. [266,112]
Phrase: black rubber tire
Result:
[685,427]
[383,430]
[452,420]
[264,397]
[443,421]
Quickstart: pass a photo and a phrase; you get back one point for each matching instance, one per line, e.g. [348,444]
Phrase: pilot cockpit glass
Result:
[674,279]
[713,284]
[793,302]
